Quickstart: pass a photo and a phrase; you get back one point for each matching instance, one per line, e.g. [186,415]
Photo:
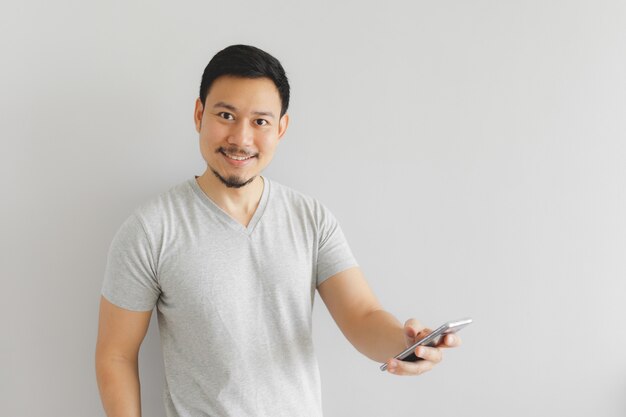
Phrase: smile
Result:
[237,158]
[237,161]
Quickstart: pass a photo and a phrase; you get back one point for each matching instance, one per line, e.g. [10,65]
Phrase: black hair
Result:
[247,62]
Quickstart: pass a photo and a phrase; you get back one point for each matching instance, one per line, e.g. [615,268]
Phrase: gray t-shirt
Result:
[233,303]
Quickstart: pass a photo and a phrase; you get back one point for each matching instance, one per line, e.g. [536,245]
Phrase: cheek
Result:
[266,151]
[266,142]
[213,132]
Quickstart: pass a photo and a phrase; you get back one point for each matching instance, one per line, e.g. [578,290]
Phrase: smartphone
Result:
[432,339]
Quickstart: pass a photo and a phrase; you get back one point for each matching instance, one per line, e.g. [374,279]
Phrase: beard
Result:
[233,181]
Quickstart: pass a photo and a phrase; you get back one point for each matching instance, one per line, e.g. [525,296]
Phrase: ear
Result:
[197,114]
[282,125]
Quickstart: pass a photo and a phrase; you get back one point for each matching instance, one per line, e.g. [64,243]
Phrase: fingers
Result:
[415,325]
[397,367]
[451,340]
[431,354]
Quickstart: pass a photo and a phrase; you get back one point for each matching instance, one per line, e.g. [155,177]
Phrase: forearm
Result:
[118,381]
[379,336]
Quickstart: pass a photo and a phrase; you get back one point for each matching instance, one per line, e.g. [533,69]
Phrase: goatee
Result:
[233,181]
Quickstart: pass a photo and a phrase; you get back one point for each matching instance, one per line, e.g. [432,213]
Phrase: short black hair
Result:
[247,62]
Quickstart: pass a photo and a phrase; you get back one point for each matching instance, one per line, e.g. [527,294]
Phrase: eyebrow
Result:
[234,109]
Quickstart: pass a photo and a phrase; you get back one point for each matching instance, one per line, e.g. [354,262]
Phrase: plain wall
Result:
[473,151]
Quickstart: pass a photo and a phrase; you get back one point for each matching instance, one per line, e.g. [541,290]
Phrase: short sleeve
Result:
[130,279]
[334,254]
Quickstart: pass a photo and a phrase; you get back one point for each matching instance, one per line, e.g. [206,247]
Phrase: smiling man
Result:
[231,260]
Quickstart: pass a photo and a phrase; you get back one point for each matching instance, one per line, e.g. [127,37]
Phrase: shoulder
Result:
[165,204]
[292,197]
[152,216]
[297,202]
[282,191]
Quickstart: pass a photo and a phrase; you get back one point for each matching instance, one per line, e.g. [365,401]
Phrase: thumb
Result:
[410,331]
[412,327]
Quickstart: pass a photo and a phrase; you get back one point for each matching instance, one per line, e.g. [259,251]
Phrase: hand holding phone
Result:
[432,339]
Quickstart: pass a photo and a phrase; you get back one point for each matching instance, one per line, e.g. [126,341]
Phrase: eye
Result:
[225,115]
[261,122]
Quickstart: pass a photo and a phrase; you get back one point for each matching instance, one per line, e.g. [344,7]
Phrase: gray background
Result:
[473,152]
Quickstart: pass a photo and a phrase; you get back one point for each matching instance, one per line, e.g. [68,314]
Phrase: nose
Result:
[241,134]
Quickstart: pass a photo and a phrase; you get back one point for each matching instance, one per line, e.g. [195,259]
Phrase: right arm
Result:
[120,334]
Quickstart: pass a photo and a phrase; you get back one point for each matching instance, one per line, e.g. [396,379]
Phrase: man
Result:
[231,260]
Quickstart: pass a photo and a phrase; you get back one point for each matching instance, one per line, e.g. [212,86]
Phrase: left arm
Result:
[373,331]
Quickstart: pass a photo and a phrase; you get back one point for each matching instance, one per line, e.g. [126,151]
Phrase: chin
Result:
[234,181]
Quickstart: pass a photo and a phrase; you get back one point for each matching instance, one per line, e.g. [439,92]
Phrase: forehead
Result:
[244,92]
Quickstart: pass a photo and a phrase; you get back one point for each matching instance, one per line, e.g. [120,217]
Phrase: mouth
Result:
[237,157]
[236,160]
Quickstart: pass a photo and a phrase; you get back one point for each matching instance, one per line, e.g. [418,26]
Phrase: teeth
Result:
[238,158]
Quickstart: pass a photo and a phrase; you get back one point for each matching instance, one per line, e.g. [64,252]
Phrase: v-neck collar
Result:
[225,217]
